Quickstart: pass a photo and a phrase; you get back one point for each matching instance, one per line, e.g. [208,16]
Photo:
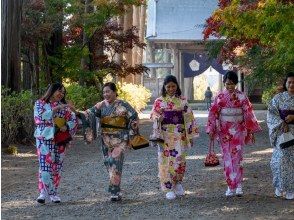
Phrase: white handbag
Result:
[287,140]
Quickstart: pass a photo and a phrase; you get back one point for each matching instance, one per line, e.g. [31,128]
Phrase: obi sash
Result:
[173,117]
[231,114]
[285,113]
[111,124]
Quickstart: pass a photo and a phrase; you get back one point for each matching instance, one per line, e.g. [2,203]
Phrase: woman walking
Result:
[177,127]
[50,112]
[119,122]
[280,121]
[231,120]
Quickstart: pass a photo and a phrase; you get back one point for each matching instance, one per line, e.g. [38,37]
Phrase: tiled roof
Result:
[178,20]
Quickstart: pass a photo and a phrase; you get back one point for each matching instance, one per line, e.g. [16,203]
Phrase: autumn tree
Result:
[257,36]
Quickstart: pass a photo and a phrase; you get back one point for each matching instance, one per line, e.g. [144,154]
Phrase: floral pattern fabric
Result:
[282,161]
[115,143]
[50,155]
[231,121]
[176,136]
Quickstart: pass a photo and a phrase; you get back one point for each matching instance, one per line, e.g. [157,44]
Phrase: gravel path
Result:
[84,183]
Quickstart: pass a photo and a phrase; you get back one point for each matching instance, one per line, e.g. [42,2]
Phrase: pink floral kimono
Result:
[177,128]
[231,120]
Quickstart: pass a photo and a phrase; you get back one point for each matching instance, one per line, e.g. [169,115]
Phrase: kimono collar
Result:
[288,96]
[167,97]
[107,104]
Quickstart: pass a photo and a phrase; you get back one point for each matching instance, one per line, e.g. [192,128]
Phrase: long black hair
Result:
[168,79]
[291,74]
[51,90]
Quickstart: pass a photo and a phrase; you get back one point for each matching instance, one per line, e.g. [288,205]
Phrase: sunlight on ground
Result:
[200,157]
[13,168]
[265,151]
[25,155]
[248,160]
[230,209]
[150,193]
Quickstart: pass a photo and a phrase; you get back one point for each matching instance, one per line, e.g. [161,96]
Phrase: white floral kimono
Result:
[282,162]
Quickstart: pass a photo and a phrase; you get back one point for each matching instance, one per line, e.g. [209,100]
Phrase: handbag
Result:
[61,137]
[211,159]
[138,141]
[287,140]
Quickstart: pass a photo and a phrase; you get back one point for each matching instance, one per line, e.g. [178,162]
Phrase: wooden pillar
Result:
[118,57]
[141,37]
[128,22]
[188,88]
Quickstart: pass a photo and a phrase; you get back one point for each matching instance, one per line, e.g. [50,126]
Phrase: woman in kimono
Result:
[231,120]
[49,111]
[280,119]
[119,122]
[174,123]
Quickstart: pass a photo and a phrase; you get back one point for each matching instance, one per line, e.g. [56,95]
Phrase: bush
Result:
[136,95]
[11,150]
[17,123]
[269,93]
[83,97]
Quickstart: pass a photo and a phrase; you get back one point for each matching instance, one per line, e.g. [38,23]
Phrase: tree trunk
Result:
[27,69]
[36,79]
[10,41]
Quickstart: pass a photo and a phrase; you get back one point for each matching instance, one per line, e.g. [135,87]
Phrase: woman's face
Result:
[290,85]
[230,85]
[108,94]
[58,95]
[171,88]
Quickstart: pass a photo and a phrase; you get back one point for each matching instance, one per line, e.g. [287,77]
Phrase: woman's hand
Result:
[59,107]
[252,138]
[289,118]
[211,135]
[285,127]
[63,128]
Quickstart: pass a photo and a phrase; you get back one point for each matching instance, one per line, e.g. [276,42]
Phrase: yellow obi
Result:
[112,124]
[59,122]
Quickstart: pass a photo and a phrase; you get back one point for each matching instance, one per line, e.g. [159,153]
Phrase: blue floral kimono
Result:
[282,162]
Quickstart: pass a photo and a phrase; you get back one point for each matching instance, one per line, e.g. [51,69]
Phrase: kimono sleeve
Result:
[71,122]
[213,116]
[156,111]
[274,121]
[42,114]
[250,120]
[190,122]
[132,116]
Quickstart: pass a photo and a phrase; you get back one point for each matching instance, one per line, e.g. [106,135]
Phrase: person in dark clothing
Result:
[208,96]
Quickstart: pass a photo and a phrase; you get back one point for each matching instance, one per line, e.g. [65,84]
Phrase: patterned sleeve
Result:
[250,120]
[71,122]
[156,111]
[94,110]
[132,115]
[274,121]
[190,122]
[213,116]
[41,114]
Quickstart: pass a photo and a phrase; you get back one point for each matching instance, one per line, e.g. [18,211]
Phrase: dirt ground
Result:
[84,182]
